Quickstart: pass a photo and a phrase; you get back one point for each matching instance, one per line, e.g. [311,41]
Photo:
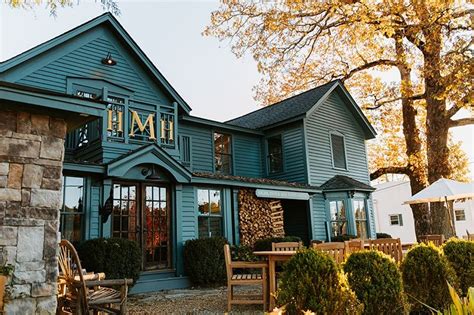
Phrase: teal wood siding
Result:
[201,146]
[294,162]
[333,115]
[318,217]
[188,214]
[247,156]
[83,59]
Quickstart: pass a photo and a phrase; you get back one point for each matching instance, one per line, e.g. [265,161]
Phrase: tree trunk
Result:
[415,167]
[437,127]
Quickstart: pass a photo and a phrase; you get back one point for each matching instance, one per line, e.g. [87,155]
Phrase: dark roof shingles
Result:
[286,109]
[341,182]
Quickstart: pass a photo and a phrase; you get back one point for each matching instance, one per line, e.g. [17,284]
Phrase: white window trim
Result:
[398,219]
[337,133]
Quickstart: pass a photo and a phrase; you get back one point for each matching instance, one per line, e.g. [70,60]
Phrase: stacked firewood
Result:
[259,218]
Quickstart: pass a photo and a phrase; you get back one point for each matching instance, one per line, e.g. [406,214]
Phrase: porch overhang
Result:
[149,154]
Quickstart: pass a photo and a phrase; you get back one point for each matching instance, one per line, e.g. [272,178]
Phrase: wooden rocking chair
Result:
[82,296]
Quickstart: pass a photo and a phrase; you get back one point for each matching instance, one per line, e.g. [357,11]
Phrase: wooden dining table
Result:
[273,257]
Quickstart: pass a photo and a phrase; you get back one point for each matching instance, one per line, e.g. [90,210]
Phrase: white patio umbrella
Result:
[444,190]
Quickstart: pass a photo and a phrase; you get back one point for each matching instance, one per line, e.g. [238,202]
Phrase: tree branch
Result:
[389,170]
[377,105]
[380,62]
[461,122]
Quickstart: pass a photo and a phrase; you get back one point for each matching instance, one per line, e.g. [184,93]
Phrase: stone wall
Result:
[31,154]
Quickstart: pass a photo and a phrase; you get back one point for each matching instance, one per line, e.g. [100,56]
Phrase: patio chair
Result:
[82,296]
[436,239]
[334,249]
[389,246]
[242,279]
[353,245]
[287,246]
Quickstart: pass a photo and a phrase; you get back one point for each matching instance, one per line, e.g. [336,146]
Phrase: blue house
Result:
[150,171]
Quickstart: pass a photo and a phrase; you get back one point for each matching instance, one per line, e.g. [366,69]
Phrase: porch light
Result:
[108,61]
[151,173]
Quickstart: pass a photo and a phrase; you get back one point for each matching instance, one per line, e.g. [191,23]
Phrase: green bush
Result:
[266,243]
[426,273]
[243,253]
[460,254]
[383,235]
[116,257]
[343,238]
[376,281]
[312,281]
[204,261]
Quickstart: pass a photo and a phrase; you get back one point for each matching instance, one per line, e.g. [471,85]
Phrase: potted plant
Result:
[5,272]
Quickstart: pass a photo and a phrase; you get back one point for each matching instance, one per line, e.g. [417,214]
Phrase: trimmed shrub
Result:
[343,238]
[460,254]
[383,235]
[426,273]
[312,281]
[204,261]
[376,281]
[116,257]
[266,243]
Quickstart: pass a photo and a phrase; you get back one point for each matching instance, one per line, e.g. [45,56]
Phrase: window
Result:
[222,153]
[124,215]
[185,150]
[396,219]
[275,154]
[115,110]
[72,210]
[338,218]
[460,214]
[167,129]
[360,216]
[209,213]
[338,151]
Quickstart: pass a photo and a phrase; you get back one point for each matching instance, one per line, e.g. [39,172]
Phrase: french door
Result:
[141,212]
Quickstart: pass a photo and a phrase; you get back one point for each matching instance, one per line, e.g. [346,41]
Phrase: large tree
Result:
[54,5]
[428,43]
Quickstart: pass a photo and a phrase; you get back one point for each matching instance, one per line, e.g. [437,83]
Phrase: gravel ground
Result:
[190,301]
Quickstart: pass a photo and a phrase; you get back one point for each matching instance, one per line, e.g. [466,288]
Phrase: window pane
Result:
[203,201]
[222,153]
[71,227]
[339,228]
[203,227]
[361,227]
[73,194]
[215,226]
[359,210]
[338,151]
[215,196]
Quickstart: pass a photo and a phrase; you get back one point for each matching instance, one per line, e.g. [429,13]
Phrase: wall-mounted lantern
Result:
[108,61]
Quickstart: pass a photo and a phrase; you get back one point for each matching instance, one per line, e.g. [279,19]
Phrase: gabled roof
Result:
[345,183]
[299,106]
[148,154]
[110,20]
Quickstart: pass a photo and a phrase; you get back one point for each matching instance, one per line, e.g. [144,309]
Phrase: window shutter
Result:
[338,151]
[185,147]
[400,220]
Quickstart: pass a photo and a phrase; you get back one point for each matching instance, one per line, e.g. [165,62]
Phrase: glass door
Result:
[141,212]
[156,227]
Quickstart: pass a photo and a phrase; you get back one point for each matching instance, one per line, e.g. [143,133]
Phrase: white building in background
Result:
[395,218]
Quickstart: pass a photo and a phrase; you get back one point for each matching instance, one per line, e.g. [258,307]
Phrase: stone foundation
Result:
[31,155]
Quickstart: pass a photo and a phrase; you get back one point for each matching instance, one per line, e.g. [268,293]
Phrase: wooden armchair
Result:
[287,246]
[353,245]
[436,239]
[234,279]
[389,246]
[336,250]
[82,296]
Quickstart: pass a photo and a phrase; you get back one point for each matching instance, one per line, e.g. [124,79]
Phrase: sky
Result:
[215,83]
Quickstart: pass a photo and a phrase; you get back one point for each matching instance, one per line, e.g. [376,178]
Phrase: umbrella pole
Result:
[450,215]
